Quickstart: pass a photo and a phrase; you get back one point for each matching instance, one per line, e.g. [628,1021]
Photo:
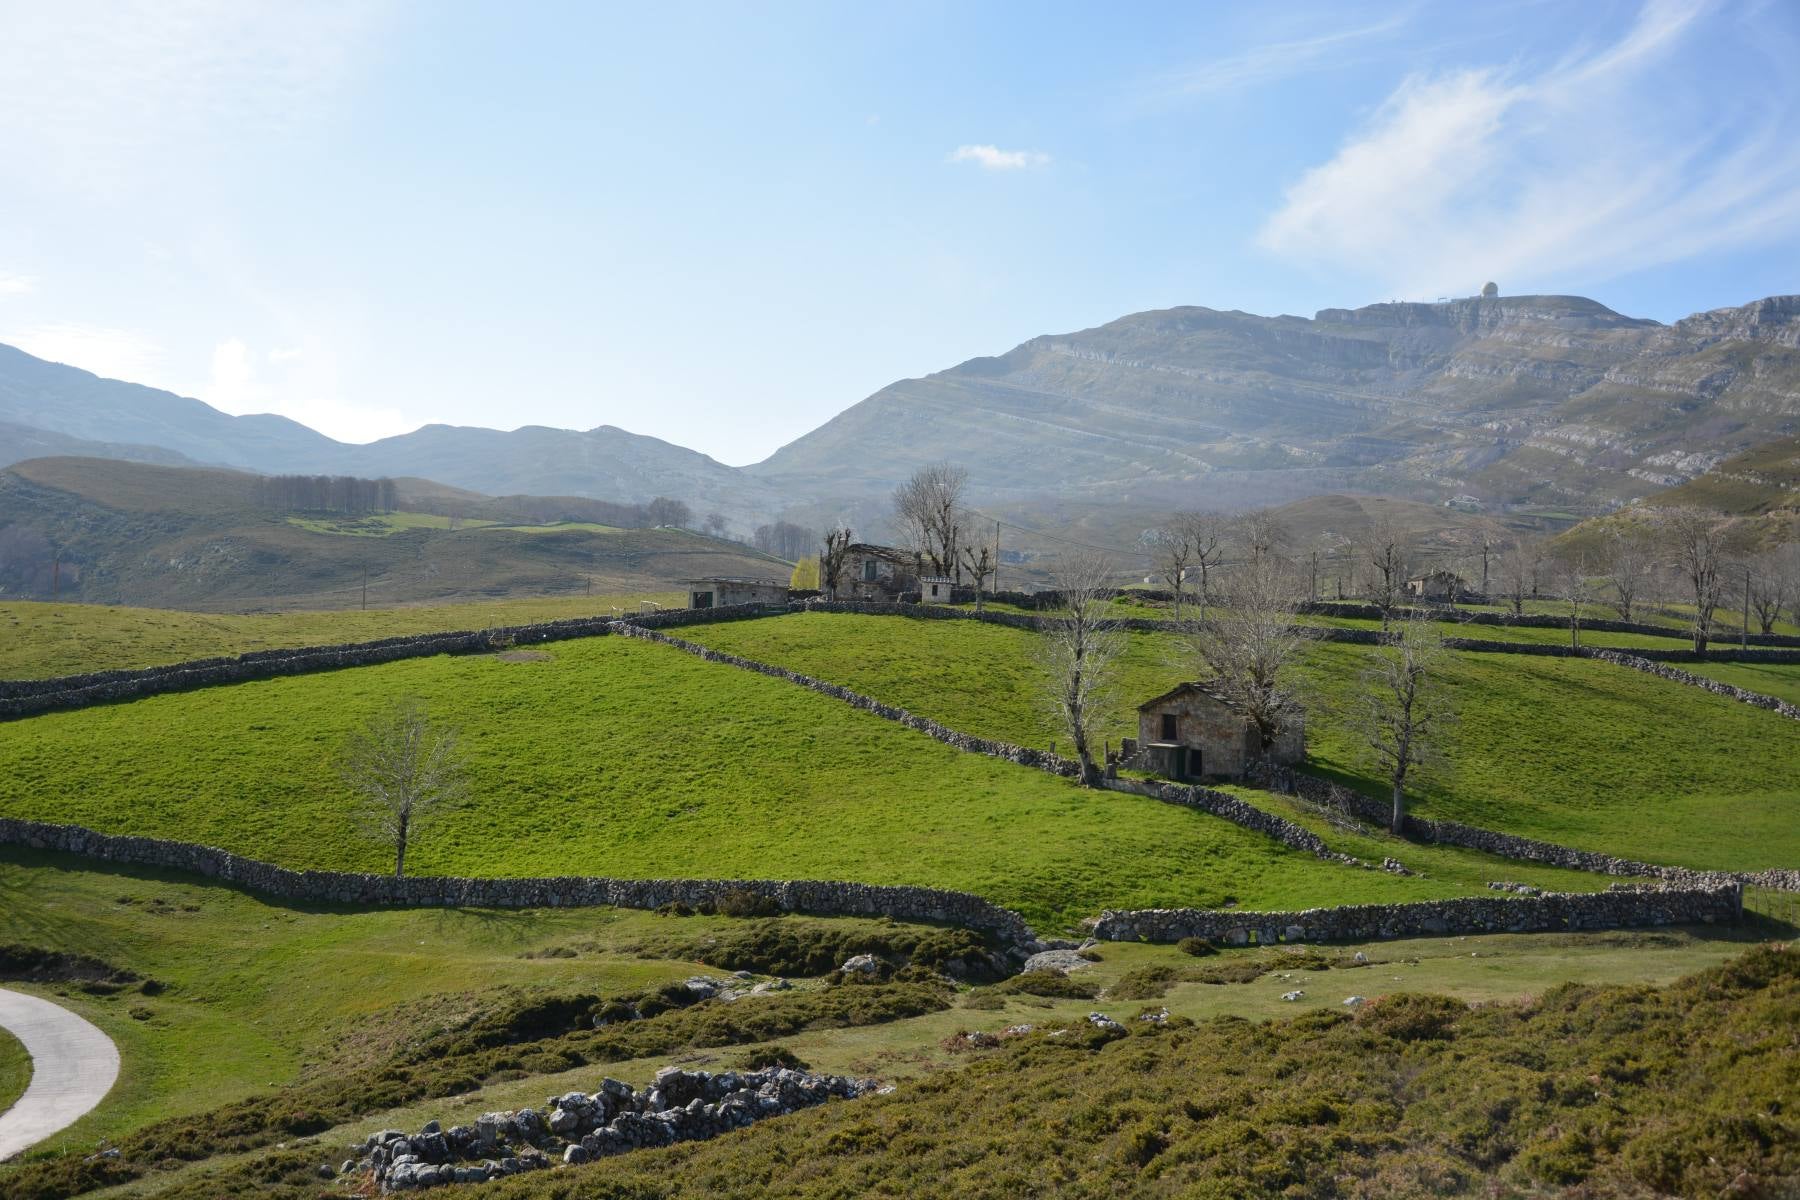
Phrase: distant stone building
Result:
[936,589]
[872,572]
[1192,732]
[1444,587]
[722,592]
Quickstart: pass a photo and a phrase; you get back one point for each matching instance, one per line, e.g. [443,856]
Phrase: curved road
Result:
[73,1066]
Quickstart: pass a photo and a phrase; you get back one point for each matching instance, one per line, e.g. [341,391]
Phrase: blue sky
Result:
[722,224]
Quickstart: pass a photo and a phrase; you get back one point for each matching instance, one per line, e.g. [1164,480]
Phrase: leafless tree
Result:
[1082,643]
[1386,555]
[1695,540]
[1405,711]
[1190,541]
[1251,644]
[1577,587]
[1520,568]
[1629,558]
[1207,532]
[1774,576]
[1260,534]
[715,524]
[403,770]
[831,559]
[928,508]
[981,565]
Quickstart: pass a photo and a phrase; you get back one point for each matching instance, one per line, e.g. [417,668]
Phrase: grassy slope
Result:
[40,639]
[623,758]
[1781,680]
[15,1070]
[1571,750]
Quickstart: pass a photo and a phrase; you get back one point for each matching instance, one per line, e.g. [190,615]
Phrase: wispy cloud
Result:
[992,158]
[1591,167]
[302,385]
[1272,61]
[16,285]
[112,353]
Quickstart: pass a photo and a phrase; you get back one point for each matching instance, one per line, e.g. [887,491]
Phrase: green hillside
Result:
[1570,750]
[165,537]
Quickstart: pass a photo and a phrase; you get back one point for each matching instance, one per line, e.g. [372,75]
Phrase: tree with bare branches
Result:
[1629,557]
[1774,579]
[1385,551]
[1406,711]
[1696,541]
[1520,568]
[928,509]
[403,770]
[981,565]
[1577,588]
[1081,646]
[832,557]
[1260,534]
[1251,645]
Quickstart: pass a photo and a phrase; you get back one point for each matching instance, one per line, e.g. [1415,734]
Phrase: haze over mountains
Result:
[1520,400]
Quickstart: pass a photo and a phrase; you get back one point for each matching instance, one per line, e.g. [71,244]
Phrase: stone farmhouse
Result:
[874,572]
[1446,587]
[1192,732]
[721,591]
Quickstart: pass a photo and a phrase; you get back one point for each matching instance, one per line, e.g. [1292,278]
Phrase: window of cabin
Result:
[1168,727]
[869,568]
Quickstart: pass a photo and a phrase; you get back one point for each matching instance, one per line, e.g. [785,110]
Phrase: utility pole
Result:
[588,581]
[56,577]
[996,556]
[1744,634]
[365,587]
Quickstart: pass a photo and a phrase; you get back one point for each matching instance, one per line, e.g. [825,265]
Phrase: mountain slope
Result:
[115,532]
[1520,399]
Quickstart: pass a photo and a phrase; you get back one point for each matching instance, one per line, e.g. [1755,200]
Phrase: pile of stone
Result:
[578,1127]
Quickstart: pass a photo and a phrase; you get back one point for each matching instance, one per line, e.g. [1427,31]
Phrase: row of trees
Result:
[326,493]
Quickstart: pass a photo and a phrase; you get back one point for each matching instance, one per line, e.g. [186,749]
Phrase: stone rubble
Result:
[579,1127]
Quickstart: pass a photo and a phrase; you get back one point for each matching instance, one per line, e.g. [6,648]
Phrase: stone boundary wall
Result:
[1639,662]
[25,697]
[1523,849]
[1235,810]
[1621,907]
[1369,612]
[807,897]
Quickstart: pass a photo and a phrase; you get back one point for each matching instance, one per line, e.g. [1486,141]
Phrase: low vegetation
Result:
[15,1070]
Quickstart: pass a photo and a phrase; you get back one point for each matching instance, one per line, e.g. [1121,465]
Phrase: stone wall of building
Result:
[1620,907]
[819,898]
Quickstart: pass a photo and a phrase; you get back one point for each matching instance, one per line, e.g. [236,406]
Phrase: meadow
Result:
[1570,750]
[40,639]
[1780,680]
[15,1070]
[614,757]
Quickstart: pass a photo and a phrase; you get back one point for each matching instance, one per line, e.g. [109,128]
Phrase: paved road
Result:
[73,1066]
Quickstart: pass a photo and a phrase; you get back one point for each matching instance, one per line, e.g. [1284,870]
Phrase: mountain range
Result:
[1554,402]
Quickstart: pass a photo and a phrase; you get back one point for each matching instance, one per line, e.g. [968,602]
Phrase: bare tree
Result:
[1386,554]
[715,524]
[1577,589]
[1695,541]
[1082,643]
[1628,561]
[403,770]
[1773,579]
[832,557]
[1405,711]
[981,566]
[1173,546]
[1251,645]
[928,508]
[1520,568]
[1207,532]
[1260,533]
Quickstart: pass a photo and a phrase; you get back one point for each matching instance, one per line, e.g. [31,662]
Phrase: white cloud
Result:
[1272,61]
[112,353]
[304,388]
[16,285]
[1592,167]
[992,158]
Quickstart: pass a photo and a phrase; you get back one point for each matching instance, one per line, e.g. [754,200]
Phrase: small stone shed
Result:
[872,572]
[720,592]
[1192,732]
[1445,586]
[935,589]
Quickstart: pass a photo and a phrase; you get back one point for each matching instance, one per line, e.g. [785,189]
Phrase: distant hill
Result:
[1544,400]
[1555,403]
[130,533]
[1758,481]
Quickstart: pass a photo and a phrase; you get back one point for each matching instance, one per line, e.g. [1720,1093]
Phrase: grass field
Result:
[1780,680]
[38,639]
[380,524]
[255,995]
[631,759]
[15,1070]
[1570,750]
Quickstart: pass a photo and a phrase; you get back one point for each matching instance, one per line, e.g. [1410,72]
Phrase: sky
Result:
[721,224]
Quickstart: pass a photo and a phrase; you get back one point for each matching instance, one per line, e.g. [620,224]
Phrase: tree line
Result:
[326,493]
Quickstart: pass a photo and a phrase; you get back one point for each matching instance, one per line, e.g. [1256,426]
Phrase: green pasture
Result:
[15,1070]
[1780,680]
[380,525]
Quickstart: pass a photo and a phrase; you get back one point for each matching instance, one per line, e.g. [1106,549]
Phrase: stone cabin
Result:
[872,572]
[935,589]
[1193,733]
[720,592]
[1445,587]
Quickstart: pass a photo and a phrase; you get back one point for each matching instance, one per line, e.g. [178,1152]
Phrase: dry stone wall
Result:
[1637,661]
[1621,907]
[806,897]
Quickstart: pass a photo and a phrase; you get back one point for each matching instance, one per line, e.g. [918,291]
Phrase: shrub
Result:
[1053,984]
[1198,947]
